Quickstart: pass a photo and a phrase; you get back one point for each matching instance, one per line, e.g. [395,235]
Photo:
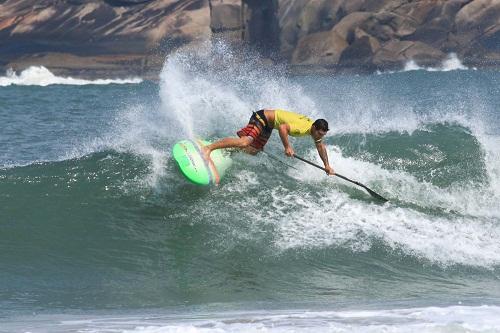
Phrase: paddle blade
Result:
[375,194]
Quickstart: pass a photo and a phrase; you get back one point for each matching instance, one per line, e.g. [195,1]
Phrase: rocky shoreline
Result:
[123,38]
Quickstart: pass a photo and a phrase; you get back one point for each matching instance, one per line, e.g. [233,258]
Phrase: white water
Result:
[205,93]
[215,87]
[424,319]
[466,234]
[41,76]
[451,63]
[210,93]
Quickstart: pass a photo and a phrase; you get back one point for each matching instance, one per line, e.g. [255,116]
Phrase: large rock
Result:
[89,22]
[395,53]
[332,33]
[387,33]
[95,27]
[346,27]
[323,48]
[479,23]
[301,18]
[432,21]
[361,51]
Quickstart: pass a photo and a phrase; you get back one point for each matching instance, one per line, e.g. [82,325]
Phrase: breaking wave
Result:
[41,76]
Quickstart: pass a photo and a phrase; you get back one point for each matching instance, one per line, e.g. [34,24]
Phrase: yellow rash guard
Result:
[299,125]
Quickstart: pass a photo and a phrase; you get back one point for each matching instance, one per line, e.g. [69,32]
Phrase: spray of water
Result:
[209,92]
[213,90]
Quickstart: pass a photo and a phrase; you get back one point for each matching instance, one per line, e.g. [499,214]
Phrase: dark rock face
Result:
[262,25]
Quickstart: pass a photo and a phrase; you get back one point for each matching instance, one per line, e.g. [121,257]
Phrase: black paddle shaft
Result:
[372,193]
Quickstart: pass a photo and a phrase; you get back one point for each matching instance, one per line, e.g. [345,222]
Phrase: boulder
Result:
[346,27]
[478,14]
[98,36]
[361,51]
[400,25]
[300,18]
[395,53]
[432,22]
[478,23]
[381,33]
[100,27]
[323,48]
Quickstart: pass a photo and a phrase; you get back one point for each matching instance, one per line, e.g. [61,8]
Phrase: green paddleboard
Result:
[195,168]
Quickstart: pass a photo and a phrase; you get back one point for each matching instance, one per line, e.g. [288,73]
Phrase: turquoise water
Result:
[100,232]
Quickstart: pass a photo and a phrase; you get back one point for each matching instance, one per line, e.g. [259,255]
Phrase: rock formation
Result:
[85,36]
[96,36]
[375,34]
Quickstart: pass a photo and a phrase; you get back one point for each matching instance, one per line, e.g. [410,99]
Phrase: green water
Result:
[95,215]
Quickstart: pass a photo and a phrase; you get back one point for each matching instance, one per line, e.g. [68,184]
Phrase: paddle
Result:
[273,157]
[372,193]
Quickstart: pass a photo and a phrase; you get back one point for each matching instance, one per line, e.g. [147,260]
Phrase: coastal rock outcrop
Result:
[385,34]
[367,35]
[131,31]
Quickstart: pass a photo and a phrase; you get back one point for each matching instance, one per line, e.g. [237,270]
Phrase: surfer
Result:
[253,137]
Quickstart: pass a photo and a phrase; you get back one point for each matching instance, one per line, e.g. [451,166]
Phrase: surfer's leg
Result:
[242,142]
[251,150]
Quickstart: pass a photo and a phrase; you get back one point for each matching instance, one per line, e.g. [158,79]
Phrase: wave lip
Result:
[41,76]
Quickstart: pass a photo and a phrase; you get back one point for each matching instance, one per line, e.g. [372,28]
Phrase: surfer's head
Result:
[319,129]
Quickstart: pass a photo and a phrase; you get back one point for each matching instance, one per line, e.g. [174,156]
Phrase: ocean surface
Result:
[99,232]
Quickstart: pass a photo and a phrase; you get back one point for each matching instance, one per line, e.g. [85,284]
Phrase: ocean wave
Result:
[215,88]
[41,76]
[435,319]
[444,226]
[210,93]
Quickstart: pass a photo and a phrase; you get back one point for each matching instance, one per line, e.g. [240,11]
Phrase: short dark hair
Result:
[321,124]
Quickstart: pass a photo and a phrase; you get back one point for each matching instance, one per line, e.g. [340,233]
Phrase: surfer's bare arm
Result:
[283,131]
[321,147]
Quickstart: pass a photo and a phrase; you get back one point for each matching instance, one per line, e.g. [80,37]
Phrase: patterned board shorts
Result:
[257,128]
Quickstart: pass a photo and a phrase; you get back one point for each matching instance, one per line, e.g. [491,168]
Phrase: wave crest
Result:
[41,76]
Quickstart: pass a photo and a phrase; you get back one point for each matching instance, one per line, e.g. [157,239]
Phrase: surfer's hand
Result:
[289,151]
[329,170]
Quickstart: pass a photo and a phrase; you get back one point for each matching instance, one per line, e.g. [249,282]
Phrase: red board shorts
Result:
[258,128]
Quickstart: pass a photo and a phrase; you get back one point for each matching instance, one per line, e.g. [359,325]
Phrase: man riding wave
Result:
[253,137]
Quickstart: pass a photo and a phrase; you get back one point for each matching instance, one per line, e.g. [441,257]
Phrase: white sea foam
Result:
[466,232]
[208,93]
[41,76]
[455,318]
[451,63]
[214,89]
[204,93]
[411,65]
